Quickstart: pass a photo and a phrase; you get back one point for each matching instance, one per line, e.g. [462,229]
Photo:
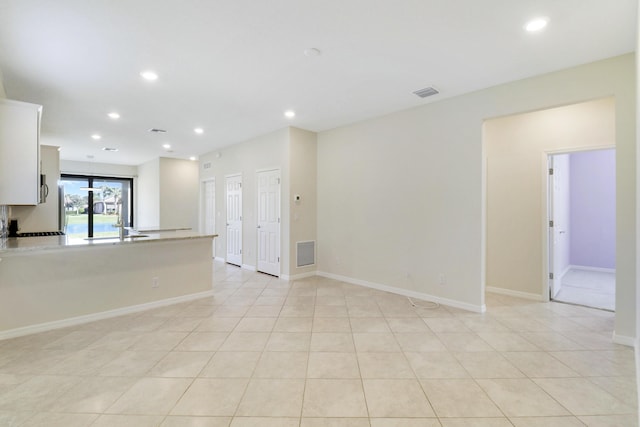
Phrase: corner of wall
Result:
[302,195]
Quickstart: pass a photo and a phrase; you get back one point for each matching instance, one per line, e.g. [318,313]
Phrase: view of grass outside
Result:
[77,225]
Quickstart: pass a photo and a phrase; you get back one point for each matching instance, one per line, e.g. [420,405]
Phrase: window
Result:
[94,204]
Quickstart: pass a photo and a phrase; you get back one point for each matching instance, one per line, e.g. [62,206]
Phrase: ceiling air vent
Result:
[428,91]
[154,130]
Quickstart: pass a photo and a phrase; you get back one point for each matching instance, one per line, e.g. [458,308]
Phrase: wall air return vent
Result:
[305,253]
[156,130]
[428,91]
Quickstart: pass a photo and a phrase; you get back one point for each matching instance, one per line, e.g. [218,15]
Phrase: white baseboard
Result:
[249,267]
[517,294]
[586,268]
[298,276]
[79,320]
[623,340]
[219,258]
[406,292]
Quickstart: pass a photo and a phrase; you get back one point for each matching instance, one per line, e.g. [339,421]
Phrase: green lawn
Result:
[73,219]
[97,219]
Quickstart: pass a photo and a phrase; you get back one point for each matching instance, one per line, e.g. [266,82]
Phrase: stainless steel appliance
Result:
[44,188]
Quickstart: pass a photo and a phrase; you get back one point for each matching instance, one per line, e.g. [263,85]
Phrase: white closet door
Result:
[269,222]
[234,219]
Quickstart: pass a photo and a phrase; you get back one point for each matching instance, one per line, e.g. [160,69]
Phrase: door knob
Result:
[258,226]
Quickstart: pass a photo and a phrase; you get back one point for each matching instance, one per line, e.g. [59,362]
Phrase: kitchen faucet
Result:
[120,226]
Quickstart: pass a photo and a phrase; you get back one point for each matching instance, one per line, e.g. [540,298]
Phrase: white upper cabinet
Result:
[19,153]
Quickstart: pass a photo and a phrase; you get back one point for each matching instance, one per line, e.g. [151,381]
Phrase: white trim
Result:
[623,340]
[249,267]
[517,294]
[298,276]
[79,320]
[566,270]
[586,268]
[406,292]
[220,258]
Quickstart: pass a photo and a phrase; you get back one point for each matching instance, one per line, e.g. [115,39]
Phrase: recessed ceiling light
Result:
[289,114]
[536,24]
[110,149]
[149,75]
[96,136]
[114,115]
[166,146]
[193,158]
[199,131]
[312,51]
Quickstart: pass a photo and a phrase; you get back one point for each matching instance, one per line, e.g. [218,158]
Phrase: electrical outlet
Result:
[155,282]
[442,279]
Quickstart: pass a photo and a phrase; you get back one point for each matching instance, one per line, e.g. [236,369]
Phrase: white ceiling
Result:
[234,66]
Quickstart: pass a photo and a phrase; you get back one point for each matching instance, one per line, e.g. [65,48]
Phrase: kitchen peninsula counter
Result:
[57,281]
[26,244]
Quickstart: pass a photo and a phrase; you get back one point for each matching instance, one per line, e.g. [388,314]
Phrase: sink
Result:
[133,236]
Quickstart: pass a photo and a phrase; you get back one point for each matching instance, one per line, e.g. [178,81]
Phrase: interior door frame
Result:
[258,171]
[546,209]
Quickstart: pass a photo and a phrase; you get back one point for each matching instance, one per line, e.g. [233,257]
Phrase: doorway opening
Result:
[581,200]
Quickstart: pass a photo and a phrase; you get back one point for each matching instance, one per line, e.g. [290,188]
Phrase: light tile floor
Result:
[321,353]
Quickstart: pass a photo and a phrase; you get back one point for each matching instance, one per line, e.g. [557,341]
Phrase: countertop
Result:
[14,245]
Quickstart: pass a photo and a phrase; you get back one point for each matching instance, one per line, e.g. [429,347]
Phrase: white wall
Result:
[303,160]
[516,148]
[147,209]
[101,169]
[269,151]
[179,193]
[401,197]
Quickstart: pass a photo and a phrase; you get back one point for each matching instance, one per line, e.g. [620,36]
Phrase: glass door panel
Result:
[108,207]
[94,205]
[76,204]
